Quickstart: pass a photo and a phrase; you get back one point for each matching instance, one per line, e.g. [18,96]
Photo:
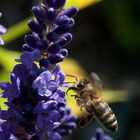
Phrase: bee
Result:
[89,97]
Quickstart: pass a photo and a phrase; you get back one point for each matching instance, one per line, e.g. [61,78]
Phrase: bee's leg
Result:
[71,88]
[85,120]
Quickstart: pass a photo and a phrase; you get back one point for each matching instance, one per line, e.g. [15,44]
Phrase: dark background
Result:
[106,41]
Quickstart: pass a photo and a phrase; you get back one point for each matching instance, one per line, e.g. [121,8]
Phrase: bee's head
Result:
[82,84]
[79,85]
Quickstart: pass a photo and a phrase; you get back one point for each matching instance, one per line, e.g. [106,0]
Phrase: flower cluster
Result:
[36,99]
[50,31]
[2,31]
[100,135]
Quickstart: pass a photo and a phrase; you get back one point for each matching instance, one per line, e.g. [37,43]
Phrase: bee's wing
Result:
[96,80]
[85,120]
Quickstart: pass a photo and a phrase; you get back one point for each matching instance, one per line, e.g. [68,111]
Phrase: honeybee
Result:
[89,97]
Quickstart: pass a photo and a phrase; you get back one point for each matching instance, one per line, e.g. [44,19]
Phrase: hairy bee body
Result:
[103,113]
[88,96]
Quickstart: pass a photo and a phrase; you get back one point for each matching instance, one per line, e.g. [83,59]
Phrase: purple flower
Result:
[11,119]
[67,122]
[26,75]
[100,135]
[59,77]
[2,31]
[59,96]
[28,58]
[5,135]
[47,118]
[36,99]
[11,90]
[45,84]
[49,135]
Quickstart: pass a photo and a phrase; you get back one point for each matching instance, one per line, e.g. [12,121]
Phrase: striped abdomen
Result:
[105,116]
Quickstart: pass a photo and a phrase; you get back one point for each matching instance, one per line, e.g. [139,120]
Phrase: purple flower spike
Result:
[36,98]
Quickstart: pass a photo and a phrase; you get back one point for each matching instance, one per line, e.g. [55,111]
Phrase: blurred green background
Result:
[106,41]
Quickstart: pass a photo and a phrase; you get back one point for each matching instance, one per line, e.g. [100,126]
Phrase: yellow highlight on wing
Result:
[81,3]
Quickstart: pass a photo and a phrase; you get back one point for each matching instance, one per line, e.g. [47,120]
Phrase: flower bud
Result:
[38,12]
[54,48]
[53,59]
[35,27]
[70,12]
[51,14]
[65,39]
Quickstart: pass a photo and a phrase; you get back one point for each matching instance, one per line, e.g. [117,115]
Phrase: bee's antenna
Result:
[69,82]
[68,90]
[72,76]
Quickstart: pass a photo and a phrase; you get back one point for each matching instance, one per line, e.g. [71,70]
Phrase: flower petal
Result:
[52,86]
[54,136]
[1,41]
[47,76]
[2,30]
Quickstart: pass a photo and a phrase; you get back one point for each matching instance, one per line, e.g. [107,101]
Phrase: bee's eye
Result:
[80,85]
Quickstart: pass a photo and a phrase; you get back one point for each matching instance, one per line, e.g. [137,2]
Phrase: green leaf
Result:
[7,59]
[16,31]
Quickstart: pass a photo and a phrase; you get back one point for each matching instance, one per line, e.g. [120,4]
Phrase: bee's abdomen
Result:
[106,116]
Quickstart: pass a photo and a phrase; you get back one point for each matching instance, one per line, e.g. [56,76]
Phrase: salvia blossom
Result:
[36,98]
[100,135]
[2,31]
